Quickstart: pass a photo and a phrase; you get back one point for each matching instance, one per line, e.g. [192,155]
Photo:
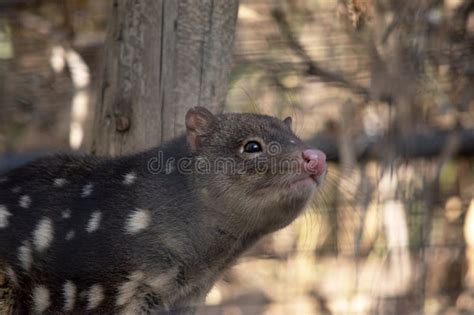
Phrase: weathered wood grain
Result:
[162,57]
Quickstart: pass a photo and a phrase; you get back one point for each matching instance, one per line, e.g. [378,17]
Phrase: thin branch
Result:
[312,67]
[421,145]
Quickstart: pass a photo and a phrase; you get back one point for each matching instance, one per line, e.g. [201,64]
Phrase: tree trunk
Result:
[162,58]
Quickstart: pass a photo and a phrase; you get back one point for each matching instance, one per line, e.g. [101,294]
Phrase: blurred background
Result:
[384,87]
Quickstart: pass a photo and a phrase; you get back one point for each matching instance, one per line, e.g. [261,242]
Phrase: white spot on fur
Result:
[69,291]
[11,275]
[16,190]
[95,296]
[138,221]
[129,178]
[25,201]
[87,190]
[163,281]
[130,293]
[94,222]
[128,289]
[66,214]
[4,214]
[60,182]
[24,255]
[70,235]
[43,234]
[41,299]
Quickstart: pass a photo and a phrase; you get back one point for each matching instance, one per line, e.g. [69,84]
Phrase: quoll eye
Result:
[252,147]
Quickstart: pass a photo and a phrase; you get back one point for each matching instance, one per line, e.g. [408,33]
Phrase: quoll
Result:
[151,232]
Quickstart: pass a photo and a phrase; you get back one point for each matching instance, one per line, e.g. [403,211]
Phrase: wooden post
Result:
[162,58]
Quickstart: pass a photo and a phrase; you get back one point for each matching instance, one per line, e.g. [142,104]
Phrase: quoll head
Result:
[253,166]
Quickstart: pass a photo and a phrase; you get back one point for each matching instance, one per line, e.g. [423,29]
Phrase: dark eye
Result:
[252,147]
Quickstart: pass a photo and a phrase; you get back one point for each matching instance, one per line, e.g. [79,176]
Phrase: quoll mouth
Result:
[302,182]
[307,181]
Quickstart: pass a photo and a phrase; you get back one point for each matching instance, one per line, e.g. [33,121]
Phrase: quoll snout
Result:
[314,162]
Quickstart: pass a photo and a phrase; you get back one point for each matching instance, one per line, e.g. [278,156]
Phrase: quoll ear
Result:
[288,121]
[198,122]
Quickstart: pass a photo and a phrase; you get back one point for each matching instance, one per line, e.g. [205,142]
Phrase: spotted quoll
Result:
[151,232]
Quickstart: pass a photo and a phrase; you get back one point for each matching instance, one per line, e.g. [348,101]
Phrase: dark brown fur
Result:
[201,221]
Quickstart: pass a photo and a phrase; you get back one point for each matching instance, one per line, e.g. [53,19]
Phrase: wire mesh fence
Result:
[388,233]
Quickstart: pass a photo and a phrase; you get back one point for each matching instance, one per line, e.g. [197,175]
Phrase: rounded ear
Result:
[288,121]
[198,122]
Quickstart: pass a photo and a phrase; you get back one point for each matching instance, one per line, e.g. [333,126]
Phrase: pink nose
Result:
[315,162]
